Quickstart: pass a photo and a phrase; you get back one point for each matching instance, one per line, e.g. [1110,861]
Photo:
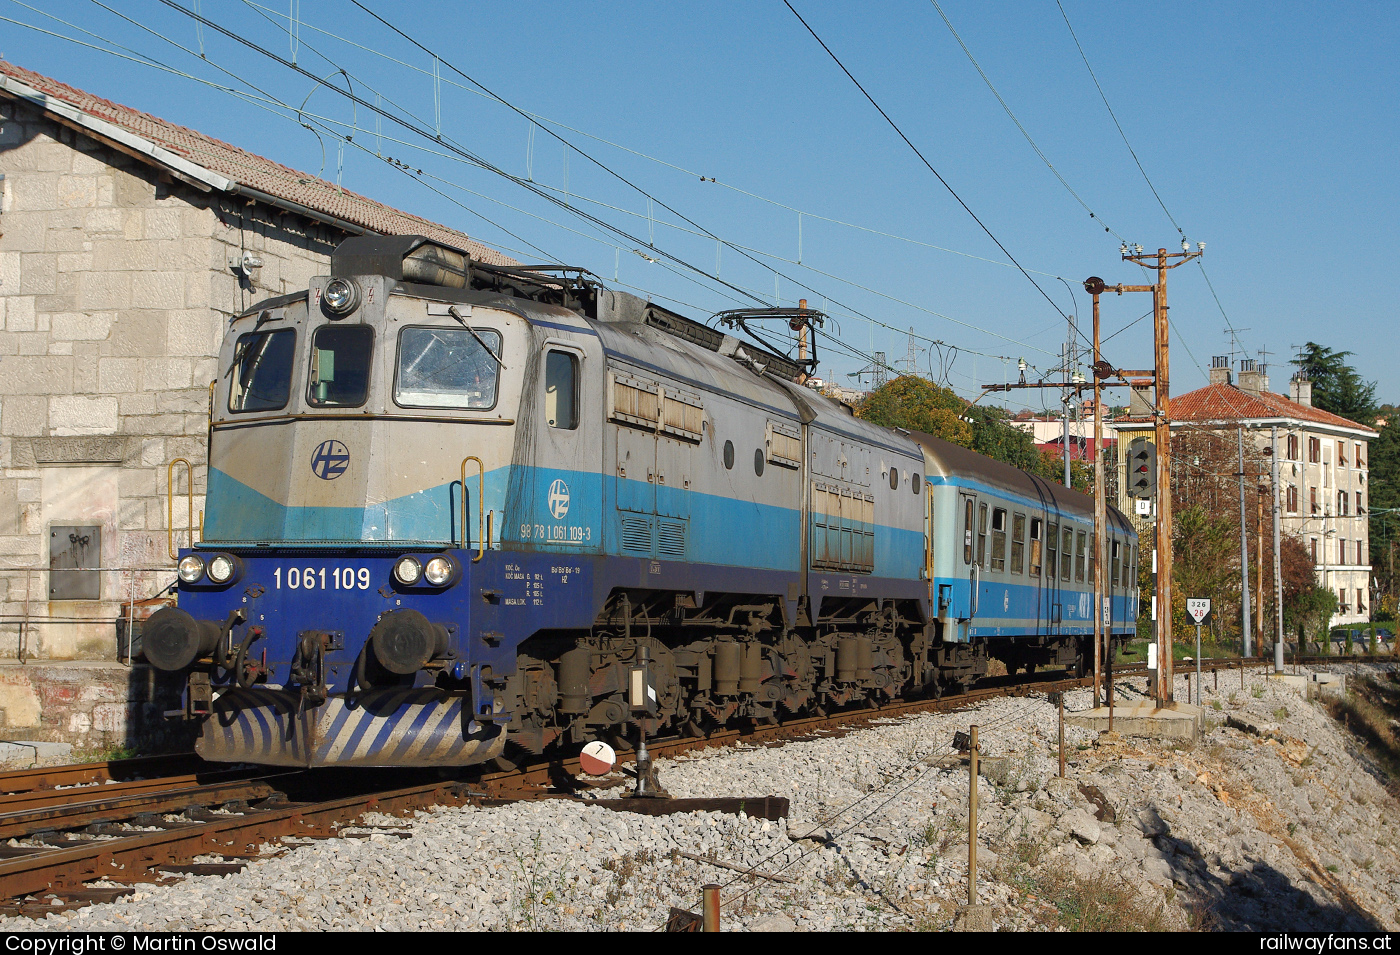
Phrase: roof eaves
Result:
[115,133]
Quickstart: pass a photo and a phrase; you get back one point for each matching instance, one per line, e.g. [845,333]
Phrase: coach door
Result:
[973,548]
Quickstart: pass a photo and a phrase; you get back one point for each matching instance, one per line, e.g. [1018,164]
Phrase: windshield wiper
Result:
[452,310]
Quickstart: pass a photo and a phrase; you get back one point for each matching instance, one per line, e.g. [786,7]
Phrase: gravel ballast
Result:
[1273,821]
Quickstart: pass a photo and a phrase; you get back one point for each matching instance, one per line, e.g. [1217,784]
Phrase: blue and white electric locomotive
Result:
[447,504]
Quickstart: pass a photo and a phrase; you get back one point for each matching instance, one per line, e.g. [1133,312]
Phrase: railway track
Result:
[125,823]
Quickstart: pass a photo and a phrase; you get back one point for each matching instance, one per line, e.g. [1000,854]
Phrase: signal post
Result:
[1157,457]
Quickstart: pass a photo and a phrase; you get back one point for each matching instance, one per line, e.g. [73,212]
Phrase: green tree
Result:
[1336,386]
[1383,493]
[917,404]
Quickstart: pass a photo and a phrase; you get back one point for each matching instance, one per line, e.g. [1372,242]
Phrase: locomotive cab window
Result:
[999,540]
[447,368]
[561,390]
[1036,528]
[261,377]
[340,357]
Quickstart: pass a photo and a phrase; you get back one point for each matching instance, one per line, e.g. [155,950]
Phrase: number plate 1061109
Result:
[321,578]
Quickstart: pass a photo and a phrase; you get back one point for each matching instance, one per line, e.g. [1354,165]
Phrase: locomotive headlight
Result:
[191,568]
[222,569]
[342,296]
[439,571]
[408,571]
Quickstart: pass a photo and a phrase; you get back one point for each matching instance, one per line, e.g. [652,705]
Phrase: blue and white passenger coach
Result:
[447,504]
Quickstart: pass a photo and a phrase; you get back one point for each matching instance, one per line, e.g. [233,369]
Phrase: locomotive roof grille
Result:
[419,260]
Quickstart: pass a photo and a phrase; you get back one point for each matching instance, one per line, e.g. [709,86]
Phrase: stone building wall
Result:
[116,284]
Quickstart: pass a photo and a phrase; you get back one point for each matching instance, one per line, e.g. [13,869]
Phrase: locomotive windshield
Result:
[447,368]
[340,365]
[262,371]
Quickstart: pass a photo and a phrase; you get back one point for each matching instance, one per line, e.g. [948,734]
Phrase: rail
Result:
[170,504]
[480,505]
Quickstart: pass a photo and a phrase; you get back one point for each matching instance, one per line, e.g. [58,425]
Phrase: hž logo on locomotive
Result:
[558,500]
[329,460]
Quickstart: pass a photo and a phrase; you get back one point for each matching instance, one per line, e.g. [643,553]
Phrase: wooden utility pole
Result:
[1101,654]
[1161,334]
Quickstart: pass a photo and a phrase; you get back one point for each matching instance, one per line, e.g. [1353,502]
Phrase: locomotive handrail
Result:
[170,504]
[480,505]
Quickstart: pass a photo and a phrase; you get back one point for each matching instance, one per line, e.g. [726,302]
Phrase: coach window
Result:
[561,390]
[729,455]
[1079,557]
[1091,562]
[262,371]
[1066,553]
[340,365]
[916,483]
[1117,558]
[981,535]
[448,368]
[1036,527]
[758,462]
[999,540]
[967,531]
[894,479]
[1052,540]
[1018,543]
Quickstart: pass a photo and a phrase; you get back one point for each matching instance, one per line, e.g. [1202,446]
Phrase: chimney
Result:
[1263,377]
[1140,404]
[1220,370]
[1249,377]
[1300,390]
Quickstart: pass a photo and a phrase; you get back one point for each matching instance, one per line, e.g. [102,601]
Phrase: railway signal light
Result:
[1142,469]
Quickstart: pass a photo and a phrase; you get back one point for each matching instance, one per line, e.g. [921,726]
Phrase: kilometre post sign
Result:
[1199,609]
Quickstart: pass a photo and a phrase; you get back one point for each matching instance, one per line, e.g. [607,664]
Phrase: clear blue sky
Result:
[1269,130]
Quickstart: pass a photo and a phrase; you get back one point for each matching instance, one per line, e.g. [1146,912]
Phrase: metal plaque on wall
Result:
[75,554]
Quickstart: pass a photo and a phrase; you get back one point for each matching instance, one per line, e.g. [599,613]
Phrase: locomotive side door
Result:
[570,455]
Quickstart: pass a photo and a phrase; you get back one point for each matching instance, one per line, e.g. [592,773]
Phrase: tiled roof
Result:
[1222,402]
[243,168]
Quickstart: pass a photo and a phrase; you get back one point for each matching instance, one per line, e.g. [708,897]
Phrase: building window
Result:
[1342,503]
[1292,499]
[1360,600]
[1314,451]
[1341,552]
[1359,462]
[1293,447]
[1312,500]
[1341,454]
[1312,549]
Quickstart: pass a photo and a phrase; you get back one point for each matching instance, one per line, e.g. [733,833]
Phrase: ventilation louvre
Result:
[671,539]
